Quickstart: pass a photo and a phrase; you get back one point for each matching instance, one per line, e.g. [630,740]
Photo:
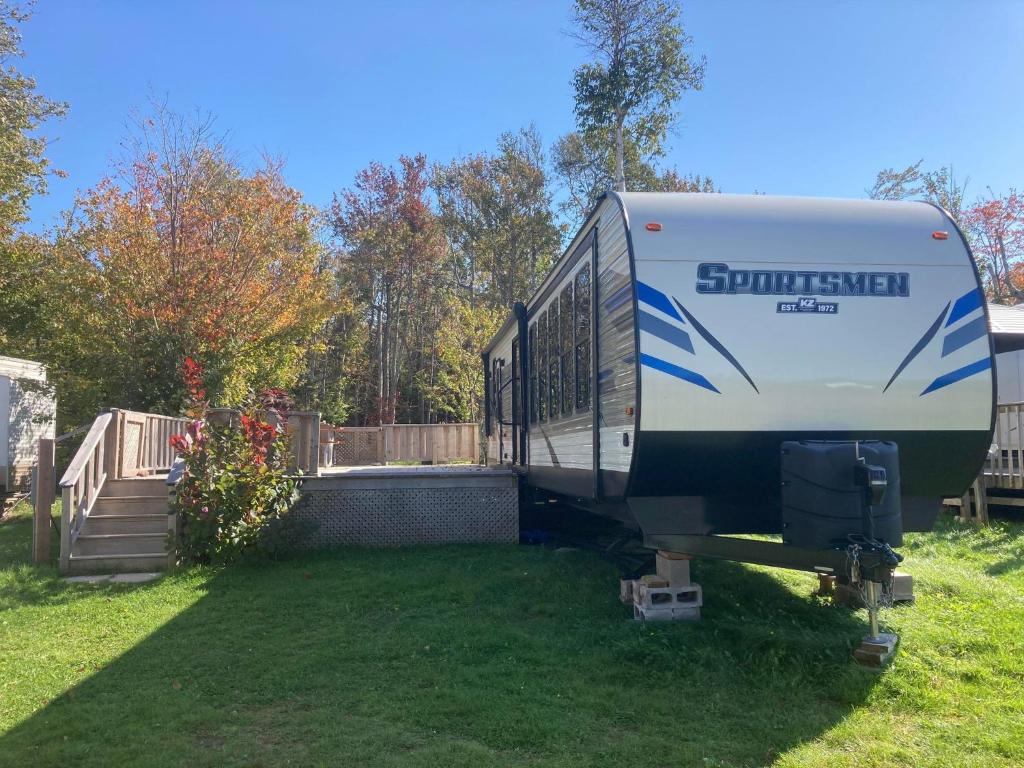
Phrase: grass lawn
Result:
[506,656]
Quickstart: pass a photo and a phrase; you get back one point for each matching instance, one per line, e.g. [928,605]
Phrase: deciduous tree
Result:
[183,252]
[939,186]
[641,66]
[23,165]
[391,262]
[995,227]
[496,212]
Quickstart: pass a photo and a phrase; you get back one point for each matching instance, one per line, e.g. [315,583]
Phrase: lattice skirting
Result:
[403,516]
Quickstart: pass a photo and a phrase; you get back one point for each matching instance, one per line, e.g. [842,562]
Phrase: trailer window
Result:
[554,390]
[542,367]
[533,373]
[582,315]
[566,331]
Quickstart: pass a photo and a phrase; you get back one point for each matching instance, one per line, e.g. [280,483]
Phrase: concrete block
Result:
[653,580]
[627,589]
[665,614]
[673,567]
[902,587]
[902,591]
[689,596]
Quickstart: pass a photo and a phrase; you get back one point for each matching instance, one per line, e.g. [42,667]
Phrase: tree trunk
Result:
[620,160]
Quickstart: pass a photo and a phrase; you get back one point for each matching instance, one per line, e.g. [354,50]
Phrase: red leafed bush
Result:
[235,492]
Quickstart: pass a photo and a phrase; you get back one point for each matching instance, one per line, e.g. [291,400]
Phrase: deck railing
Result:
[1005,465]
[143,442]
[81,484]
[304,429]
[120,444]
[434,443]
[124,444]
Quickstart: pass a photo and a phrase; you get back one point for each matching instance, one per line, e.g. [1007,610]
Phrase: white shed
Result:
[28,411]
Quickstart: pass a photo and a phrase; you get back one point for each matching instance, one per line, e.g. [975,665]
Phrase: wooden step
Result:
[131,505]
[140,486]
[125,523]
[120,544]
[117,563]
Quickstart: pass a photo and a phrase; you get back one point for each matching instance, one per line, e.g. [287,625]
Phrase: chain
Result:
[885,599]
[885,596]
[853,562]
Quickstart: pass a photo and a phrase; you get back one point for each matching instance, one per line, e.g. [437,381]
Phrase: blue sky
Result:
[803,98]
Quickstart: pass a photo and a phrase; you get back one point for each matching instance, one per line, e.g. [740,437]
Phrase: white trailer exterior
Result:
[27,413]
[706,330]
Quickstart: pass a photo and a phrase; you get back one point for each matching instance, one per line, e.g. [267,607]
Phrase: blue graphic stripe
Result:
[655,298]
[966,304]
[674,370]
[655,326]
[716,344]
[959,375]
[964,335]
[921,344]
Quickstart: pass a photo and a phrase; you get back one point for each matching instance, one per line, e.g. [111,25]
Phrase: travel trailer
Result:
[705,364]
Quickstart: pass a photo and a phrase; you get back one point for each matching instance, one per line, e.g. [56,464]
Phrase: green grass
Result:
[506,656]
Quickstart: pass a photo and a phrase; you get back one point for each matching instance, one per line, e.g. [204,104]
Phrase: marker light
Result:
[940,235]
[652,226]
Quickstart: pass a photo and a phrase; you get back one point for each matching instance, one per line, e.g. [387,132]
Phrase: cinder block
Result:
[673,567]
[653,580]
[902,587]
[689,596]
[902,591]
[627,589]
[665,614]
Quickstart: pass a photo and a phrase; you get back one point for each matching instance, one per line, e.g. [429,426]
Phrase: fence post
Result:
[46,483]
[314,445]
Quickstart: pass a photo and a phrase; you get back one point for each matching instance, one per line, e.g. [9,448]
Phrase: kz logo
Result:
[808,304]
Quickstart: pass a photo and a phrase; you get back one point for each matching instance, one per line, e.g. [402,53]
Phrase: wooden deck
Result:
[382,506]
[114,489]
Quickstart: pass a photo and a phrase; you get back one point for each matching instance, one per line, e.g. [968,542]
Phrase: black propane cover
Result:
[824,500]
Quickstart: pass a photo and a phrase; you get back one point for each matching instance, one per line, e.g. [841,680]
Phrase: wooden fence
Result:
[303,427]
[433,443]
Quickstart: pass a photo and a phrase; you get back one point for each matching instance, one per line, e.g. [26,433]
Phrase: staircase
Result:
[114,496]
[126,531]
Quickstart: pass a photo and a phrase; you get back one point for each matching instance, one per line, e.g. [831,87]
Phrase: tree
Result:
[938,186]
[182,252]
[23,166]
[641,67]
[496,213]
[995,228]
[587,170]
[391,264]
[24,290]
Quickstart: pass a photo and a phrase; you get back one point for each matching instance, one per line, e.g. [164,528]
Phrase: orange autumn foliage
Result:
[185,253]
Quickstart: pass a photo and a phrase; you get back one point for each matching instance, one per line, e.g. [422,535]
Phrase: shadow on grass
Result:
[451,656]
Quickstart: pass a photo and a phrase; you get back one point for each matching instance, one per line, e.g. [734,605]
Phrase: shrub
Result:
[234,491]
